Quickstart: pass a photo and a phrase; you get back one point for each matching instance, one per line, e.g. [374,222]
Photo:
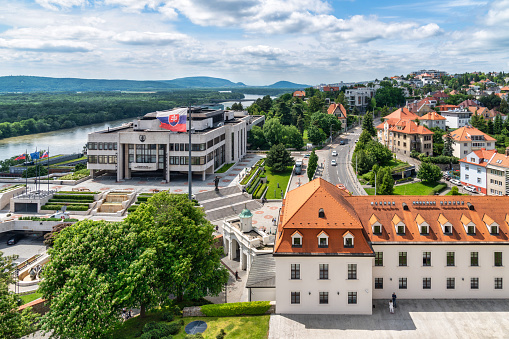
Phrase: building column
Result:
[203,175]
[241,257]
[92,173]
[230,249]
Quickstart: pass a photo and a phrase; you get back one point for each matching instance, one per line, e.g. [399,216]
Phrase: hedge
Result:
[143,198]
[233,309]
[71,197]
[69,207]
[253,186]
[72,201]
[438,188]
[132,208]
[259,191]
[76,192]
[45,219]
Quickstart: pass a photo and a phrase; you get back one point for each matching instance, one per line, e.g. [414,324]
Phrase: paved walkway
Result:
[412,319]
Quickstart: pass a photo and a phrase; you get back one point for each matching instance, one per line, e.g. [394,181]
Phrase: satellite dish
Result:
[64,208]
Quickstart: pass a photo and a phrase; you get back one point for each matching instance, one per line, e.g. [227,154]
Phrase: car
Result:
[61,215]
[456,182]
[470,188]
[298,167]
[341,142]
[334,153]
[333,162]
[307,155]
[15,238]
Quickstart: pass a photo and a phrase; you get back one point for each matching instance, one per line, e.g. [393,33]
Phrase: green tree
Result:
[455,190]
[363,161]
[490,127]
[429,172]
[316,135]
[273,131]
[374,173]
[389,96]
[13,324]
[448,143]
[315,104]
[256,137]
[478,122]
[504,107]
[279,158]
[367,124]
[386,186]
[292,137]
[364,139]
[34,171]
[237,106]
[381,153]
[498,124]
[312,165]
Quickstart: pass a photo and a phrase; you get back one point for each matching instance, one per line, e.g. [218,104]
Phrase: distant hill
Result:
[287,84]
[26,84]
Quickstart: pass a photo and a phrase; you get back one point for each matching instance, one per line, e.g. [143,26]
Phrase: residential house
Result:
[432,120]
[497,174]
[335,253]
[421,107]
[299,94]
[468,139]
[473,168]
[360,97]
[469,103]
[340,112]
[456,118]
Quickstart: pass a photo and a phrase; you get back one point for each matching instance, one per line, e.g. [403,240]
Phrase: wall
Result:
[263,294]
[310,285]
[439,271]
[490,176]
[473,175]
[5,197]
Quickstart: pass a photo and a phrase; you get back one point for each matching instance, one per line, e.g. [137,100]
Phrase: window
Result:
[474,283]
[379,258]
[498,259]
[324,297]
[352,271]
[295,297]
[467,167]
[402,283]
[321,213]
[424,229]
[479,172]
[296,241]
[324,271]
[348,242]
[323,240]
[478,180]
[402,259]
[450,258]
[474,258]
[295,271]
[426,258]
[426,283]
[466,176]
[498,283]
[450,283]
[379,283]
[352,298]
[377,229]
[494,229]
[401,229]
[471,229]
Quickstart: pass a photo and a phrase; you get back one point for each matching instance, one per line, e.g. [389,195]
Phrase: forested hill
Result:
[30,84]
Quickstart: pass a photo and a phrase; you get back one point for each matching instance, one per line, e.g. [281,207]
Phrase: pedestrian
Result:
[217,228]
[391,307]
[394,299]
[237,275]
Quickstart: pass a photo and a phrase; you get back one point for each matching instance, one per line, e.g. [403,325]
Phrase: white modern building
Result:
[360,97]
[473,169]
[144,148]
[457,118]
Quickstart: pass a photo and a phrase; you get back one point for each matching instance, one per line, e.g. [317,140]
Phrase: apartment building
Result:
[432,120]
[360,97]
[473,169]
[456,117]
[468,139]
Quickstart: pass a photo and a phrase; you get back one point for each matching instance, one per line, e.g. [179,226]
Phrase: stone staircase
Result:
[226,202]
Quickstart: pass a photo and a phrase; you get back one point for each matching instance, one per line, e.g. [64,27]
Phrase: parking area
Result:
[27,247]
[412,319]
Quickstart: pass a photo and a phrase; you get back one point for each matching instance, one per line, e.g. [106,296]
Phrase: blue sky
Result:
[257,42]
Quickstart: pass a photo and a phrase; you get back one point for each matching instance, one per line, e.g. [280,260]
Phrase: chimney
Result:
[507,152]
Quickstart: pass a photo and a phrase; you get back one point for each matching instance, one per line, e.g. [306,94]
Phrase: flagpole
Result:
[48,170]
[190,174]
[26,171]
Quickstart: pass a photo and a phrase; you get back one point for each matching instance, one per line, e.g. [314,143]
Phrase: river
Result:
[72,140]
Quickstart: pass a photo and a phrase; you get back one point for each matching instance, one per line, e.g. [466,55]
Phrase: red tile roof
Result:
[483,155]
[404,126]
[299,94]
[464,134]
[468,102]
[447,107]
[432,116]
[338,110]
[402,113]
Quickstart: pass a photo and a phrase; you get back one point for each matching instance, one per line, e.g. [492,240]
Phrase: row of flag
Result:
[33,156]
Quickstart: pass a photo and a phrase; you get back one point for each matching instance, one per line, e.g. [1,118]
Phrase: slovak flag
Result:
[174,120]
[45,155]
[21,157]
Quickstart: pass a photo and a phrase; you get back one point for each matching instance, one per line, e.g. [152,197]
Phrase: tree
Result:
[292,137]
[363,161]
[387,181]
[315,104]
[429,172]
[237,106]
[367,124]
[273,131]
[381,153]
[279,158]
[97,268]
[316,135]
[455,190]
[312,165]
[13,324]
[389,96]
[448,143]
[478,122]
[498,124]
[364,139]
[256,137]
[34,171]
[504,107]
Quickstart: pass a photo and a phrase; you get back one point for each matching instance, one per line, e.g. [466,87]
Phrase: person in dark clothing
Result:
[236,275]
[394,299]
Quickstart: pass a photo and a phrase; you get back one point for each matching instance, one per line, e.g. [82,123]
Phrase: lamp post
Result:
[189,174]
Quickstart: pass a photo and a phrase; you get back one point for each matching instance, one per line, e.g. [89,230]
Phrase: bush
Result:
[153,330]
[194,336]
[50,207]
[455,190]
[143,198]
[233,309]
[132,208]
[174,327]
[438,188]
[70,197]
[167,316]
[259,191]
[221,334]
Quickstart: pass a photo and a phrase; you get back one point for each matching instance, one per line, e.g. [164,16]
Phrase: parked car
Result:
[61,215]
[333,162]
[470,188]
[298,167]
[456,182]
[334,153]
[341,142]
[307,155]
[15,238]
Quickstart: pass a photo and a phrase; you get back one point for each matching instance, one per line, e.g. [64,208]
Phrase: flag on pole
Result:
[21,157]
[45,155]
[34,155]
[174,120]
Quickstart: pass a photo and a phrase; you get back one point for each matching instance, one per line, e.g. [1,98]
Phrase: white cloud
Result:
[498,13]
[46,46]
[61,4]
[149,38]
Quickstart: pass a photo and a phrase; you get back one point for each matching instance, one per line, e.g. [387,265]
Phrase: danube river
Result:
[67,141]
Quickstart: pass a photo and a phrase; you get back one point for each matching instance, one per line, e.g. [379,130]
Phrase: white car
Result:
[456,182]
[333,162]
[334,153]
[470,189]
[61,215]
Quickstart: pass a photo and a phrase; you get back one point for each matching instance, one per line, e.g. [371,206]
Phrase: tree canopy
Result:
[367,124]
[429,172]
[279,158]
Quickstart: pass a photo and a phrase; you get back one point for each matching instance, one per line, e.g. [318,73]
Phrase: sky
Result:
[257,42]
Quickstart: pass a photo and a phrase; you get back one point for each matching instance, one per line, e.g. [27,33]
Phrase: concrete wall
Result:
[28,225]
[5,197]
[338,285]
[439,271]
[263,294]
[474,173]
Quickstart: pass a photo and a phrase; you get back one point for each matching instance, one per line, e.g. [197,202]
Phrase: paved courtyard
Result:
[412,319]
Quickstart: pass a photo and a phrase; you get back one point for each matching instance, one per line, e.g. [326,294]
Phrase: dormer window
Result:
[422,224]
[296,239]
[399,225]
[445,224]
[424,229]
[321,213]
[468,224]
[377,229]
[376,226]
[348,240]
[494,229]
[491,225]
[323,240]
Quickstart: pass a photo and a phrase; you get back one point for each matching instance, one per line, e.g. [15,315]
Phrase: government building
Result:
[145,147]
[334,253]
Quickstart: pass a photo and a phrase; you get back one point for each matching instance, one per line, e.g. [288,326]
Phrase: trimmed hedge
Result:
[438,188]
[70,197]
[233,309]
[76,192]
[45,219]
[143,198]
[132,208]
[69,207]
[259,191]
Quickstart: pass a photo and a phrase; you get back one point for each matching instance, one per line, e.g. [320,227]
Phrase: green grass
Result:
[416,188]
[70,161]
[30,297]
[305,136]
[225,168]
[275,178]
[253,327]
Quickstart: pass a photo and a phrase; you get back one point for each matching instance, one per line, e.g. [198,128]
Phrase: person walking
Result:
[394,298]
[391,307]
[236,275]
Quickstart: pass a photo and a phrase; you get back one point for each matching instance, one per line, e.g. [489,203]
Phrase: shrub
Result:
[143,198]
[150,326]
[174,327]
[438,188]
[259,192]
[232,309]
[167,316]
[194,336]
[70,197]
[132,208]
[455,190]
[153,330]
[51,207]
[221,334]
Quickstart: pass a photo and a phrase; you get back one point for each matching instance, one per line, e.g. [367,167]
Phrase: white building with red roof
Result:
[432,120]
[473,168]
[468,139]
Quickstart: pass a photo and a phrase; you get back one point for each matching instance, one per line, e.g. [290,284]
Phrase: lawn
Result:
[416,188]
[225,168]
[255,327]
[30,297]
[275,178]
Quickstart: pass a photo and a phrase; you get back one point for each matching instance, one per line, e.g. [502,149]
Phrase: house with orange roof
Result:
[421,107]
[433,119]
[497,174]
[401,134]
[340,112]
[335,253]
[505,89]
[468,139]
[469,102]
[299,94]
[473,168]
